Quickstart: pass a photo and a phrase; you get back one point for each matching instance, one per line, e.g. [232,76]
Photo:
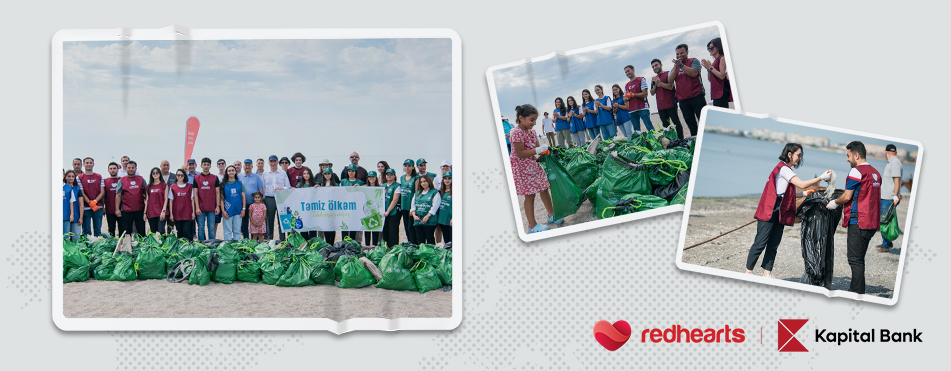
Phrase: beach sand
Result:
[161,299]
[710,217]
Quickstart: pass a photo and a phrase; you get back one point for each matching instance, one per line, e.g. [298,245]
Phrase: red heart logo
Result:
[612,337]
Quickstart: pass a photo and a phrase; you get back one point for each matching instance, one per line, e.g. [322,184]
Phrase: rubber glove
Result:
[826,176]
[540,149]
[831,205]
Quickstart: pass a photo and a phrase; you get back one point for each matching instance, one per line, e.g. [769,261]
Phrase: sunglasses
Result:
[179,175]
[285,163]
[710,48]
[354,156]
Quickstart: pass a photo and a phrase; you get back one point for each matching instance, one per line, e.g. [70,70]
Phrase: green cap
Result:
[447,174]
[371,174]
[409,161]
[328,171]
[420,161]
[391,171]
[352,167]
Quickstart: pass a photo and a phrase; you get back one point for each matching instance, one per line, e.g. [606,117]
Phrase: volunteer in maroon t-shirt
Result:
[93,188]
[156,201]
[111,185]
[663,92]
[689,87]
[206,190]
[862,214]
[130,201]
[294,173]
[777,207]
[716,73]
[183,205]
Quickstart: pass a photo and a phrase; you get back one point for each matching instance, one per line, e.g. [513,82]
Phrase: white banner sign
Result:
[330,209]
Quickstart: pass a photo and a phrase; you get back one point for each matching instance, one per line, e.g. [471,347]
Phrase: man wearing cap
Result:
[445,167]
[294,173]
[285,164]
[252,183]
[407,190]
[891,185]
[208,193]
[361,172]
[326,164]
[189,168]
[95,189]
[862,214]
[421,169]
[274,179]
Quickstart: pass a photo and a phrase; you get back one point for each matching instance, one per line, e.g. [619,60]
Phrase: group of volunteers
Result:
[242,199]
[579,122]
[622,110]
[865,196]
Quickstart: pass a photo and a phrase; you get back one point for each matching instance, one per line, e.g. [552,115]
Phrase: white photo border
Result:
[172,33]
[600,222]
[796,285]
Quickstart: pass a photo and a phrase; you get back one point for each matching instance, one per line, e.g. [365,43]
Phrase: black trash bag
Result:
[340,248]
[212,243]
[818,238]
[679,143]
[887,214]
[669,191]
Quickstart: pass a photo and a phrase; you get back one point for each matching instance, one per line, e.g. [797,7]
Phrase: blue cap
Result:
[248,161]
[191,161]
[272,158]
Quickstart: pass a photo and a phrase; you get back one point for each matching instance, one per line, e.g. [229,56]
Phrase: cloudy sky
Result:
[388,99]
[539,83]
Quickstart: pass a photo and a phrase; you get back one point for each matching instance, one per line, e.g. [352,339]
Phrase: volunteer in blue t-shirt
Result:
[72,206]
[232,204]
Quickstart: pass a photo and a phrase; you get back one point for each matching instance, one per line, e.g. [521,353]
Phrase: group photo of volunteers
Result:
[633,125]
[816,219]
[237,201]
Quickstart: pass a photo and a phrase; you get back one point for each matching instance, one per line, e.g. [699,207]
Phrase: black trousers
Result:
[670,115]
[371,238]
[391,229]
[408,227]
[156,225]
[724,100]
[112,223]
[186,229]
[857,243]
[269,218]
[246,221]
[426,234]
[307,235]
[446,233]
[691,107]
[768,236]
[330,236]
[132,222]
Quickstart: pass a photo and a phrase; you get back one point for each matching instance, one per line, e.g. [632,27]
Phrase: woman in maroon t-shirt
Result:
[156,201]
[184,204]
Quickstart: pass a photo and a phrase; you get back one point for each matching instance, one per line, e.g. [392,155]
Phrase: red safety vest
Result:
[665,97]
[688,87]
[787,209]
[716,84]
[635,87]
[869,199]
[133,193]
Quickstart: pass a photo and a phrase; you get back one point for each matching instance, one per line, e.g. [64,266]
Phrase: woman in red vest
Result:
[777,207]
[716,73]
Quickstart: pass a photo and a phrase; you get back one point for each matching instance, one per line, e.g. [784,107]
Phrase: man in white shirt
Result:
[549,129]
[123,162]
[274,179]
[891,185]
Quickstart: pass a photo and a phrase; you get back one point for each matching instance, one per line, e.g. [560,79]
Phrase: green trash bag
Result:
[297,274]
[200,275]
[681,197]
[323,273]
[125,268]
[426,252]
[150,263]
[632,153]
[271,270]
[566,196]
[890,229]
[581,166]
[651,140]
[190,250]
[104,245]
[352,273]
[395,266]
[262,248]
[622,177]
[377,254]
[107,264]
[74,254]
[632,203]
[80,274]
[295,240]
[425,277]
[228,259]
[248,271]
[665,164]
[444,268]
[317,243]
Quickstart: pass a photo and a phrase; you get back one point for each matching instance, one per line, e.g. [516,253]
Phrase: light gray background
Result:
[533,306]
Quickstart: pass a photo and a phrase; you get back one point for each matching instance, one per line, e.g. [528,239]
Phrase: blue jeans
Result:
[72,227]
[626,128]
[232,227]
[608,131]
[885,204]
[95,217]
[645,116]
[206,217]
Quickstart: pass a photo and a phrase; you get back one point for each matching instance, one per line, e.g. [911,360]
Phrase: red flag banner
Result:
[191,133]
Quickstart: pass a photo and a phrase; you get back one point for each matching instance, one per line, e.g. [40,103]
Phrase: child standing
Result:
[258,210]
[528,175]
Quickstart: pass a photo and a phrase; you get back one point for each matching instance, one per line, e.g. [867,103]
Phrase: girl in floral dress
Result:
[527,173]
[257,227]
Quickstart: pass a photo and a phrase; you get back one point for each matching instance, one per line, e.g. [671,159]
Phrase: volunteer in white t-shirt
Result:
[891,185]
[549,129]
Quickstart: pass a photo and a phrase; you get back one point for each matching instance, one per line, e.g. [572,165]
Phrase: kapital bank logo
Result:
[787,335]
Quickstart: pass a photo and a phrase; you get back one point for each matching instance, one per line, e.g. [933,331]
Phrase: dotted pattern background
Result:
[30,263]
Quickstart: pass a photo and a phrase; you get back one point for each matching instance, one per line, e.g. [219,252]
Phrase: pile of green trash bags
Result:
[405,266]
[648,171]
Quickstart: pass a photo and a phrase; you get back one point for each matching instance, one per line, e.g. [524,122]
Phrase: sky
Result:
[539,83]
[387,99]
[742,122]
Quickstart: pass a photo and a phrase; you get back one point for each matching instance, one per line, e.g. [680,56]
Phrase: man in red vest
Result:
[666,102]
[111,185]
[130,201]
[637,104]
[862,200]
[689,87]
